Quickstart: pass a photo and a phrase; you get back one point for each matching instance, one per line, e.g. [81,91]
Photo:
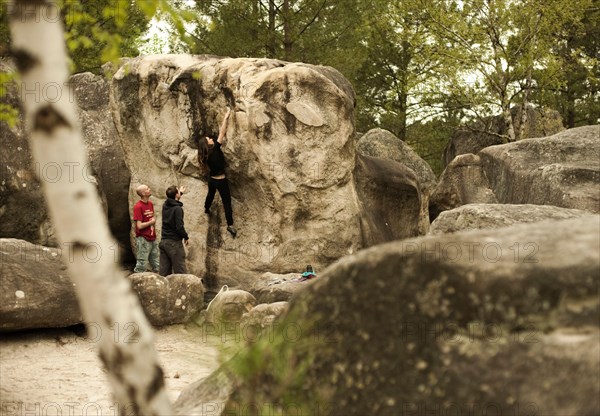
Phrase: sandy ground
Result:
[56,372]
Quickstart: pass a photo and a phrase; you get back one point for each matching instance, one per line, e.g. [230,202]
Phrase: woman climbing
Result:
[212,161]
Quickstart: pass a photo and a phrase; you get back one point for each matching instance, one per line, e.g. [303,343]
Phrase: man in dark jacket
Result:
[172,253]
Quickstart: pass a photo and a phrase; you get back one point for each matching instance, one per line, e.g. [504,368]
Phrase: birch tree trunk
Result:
[524,116]
[126,344]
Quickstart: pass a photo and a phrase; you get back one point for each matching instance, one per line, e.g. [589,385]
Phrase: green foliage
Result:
[292,30]
[398,80]
[429,139]
[9,114]
[413,63]
[4,29]
[274,372]
[577,65]
[100,31]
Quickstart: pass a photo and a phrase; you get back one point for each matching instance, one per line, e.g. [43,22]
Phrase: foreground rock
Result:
[168,300]
[35,289]
[459,319]
[483,216]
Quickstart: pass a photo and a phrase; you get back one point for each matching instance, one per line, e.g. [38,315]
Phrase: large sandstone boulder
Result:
[168,300]
[482,216]
[541,122]
[450,322]
[462,182]
[290,158]
[560,170]
[35,289]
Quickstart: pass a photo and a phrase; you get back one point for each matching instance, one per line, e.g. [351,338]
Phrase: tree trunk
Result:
[508,121]
[402,108]
[287,36]
[524,116]
[107,302]
[271,42]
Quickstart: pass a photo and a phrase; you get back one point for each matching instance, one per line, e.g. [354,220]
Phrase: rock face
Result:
[168,300]
[462,182]
[483,216]
[23,212]
[385,145]
[36,291]
[290,155]
[271,287]
[379,143]
[390,200]
[560,170]
[465,318]
[540,123]
[108,169]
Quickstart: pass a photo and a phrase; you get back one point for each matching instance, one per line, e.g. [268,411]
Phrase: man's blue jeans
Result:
[147,251]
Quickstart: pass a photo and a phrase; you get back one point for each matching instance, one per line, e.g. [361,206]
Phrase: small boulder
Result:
[264,314]
[229,306]
[168,300]
[260,320]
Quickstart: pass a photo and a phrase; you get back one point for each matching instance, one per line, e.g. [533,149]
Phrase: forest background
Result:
[420,68]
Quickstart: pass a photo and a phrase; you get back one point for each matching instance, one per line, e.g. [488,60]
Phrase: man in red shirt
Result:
[145,234]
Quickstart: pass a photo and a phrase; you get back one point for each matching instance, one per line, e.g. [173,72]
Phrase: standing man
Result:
[172,253]
[145,234]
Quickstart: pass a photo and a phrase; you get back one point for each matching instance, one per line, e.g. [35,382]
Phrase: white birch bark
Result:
[126,343]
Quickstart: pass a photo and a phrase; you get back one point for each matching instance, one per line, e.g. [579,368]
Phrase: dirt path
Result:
[56,372]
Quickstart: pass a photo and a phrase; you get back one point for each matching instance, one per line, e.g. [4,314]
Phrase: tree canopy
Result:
[413,63]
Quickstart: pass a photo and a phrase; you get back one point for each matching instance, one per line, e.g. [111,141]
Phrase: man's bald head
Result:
[141,190]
